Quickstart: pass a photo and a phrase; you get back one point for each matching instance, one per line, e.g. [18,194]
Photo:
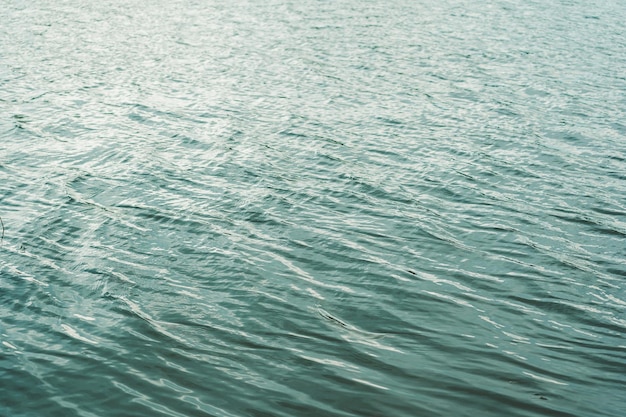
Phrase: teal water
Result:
[313,208]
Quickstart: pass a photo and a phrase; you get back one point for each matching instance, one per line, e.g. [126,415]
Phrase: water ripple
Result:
[305,208]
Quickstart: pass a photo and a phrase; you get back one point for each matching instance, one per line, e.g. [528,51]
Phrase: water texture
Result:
[312,208]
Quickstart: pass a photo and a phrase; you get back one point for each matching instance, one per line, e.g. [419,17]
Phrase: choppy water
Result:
[313,208]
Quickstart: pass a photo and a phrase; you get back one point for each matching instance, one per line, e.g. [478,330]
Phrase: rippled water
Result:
[290,208]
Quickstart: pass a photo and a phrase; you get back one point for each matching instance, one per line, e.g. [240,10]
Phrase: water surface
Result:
[312,208]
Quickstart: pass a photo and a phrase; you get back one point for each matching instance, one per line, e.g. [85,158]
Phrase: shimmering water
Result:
[312,208]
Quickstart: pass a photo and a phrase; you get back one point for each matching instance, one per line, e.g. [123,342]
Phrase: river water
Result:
[312,208]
